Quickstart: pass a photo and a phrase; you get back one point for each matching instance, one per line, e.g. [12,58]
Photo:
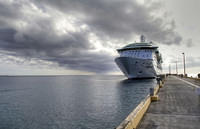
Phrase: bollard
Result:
[159,82]
[163,79]
[198,91]
[154,97]
[151,91]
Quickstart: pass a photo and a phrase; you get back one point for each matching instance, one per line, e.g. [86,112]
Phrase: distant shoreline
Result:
[51,75]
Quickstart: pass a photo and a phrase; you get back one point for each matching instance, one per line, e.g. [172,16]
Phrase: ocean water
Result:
[68,102]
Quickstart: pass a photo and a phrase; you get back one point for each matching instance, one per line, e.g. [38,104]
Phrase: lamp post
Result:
[176,68]
[184,63]
[169,69]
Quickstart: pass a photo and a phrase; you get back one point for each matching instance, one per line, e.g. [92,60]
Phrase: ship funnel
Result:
[142,38]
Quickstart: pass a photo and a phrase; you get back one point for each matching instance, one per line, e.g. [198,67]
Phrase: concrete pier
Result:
[178,106]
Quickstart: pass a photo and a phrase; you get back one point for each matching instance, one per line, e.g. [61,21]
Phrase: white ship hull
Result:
[137,68]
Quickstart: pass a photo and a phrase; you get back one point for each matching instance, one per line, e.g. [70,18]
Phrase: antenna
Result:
[142,38]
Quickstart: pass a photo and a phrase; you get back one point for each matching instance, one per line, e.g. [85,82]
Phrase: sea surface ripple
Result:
[68,102]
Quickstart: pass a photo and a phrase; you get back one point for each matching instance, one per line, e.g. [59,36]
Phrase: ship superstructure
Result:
[140,60]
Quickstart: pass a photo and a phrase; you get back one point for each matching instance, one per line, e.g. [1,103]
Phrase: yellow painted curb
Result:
[156,89]
[134,118]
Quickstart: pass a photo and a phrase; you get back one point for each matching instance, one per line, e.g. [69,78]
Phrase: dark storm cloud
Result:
[113,20]
[120,19]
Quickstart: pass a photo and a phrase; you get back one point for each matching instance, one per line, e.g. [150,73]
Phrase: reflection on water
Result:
[69,102]
[131,82]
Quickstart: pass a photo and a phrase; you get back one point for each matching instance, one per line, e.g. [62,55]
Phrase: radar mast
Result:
[142,39]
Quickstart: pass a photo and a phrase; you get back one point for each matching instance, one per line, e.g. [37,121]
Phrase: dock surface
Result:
[178,107]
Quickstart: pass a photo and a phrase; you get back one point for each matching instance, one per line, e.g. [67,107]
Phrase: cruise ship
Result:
[140,60]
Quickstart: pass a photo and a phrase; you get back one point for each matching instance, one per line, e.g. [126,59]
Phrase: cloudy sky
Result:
[81,36]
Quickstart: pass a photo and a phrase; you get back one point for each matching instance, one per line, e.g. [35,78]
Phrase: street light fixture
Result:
[184,63]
